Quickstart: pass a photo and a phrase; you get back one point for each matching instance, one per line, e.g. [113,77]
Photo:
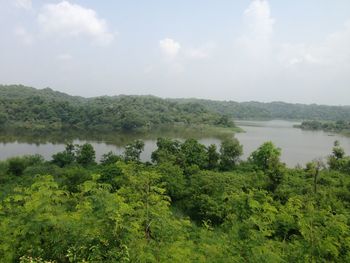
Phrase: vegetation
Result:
[190,204]
[274,110]
[24,107]
[340,126]
[38,110]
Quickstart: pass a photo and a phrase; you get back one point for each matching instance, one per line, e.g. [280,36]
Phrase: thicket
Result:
[190,204]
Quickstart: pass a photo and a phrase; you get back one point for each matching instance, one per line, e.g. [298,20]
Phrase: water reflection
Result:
[298,146]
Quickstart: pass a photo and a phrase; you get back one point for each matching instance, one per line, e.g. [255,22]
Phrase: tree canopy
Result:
[192,203]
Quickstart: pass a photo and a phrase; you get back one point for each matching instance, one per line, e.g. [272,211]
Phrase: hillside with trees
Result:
[33,109]
[29,108]
[192,203]
[275,110]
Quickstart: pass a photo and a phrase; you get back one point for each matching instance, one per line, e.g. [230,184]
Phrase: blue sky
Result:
[265,50]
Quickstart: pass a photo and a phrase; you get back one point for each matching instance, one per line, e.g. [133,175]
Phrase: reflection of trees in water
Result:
[115,138]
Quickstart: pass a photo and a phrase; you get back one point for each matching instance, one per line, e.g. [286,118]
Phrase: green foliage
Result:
[213,157]
[265,155]
[337,160]
[180,208]
[193,153]
[267,159]
[133,151]
[3,119]
[41,110]
[85,154]
[230,151]
[167,150]
[329,126]
[66,157]
[17,165]
[110,158]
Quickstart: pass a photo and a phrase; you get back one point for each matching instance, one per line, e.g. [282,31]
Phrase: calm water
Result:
[298,147]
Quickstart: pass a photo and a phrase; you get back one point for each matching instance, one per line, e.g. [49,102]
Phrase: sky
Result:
[243,50]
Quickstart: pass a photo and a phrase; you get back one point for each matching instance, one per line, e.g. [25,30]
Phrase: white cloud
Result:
[25,4]
[258,18]
[256,40]
[333,51]
[169,47]
[23,35]
[72,20]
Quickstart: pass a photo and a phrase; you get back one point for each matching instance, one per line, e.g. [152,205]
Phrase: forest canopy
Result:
[47,109]
[33,109]
[192,203]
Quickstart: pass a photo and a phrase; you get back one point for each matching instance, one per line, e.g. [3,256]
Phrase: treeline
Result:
[34,109]
[275,110]
[190,204]
[24,107]
[330,126]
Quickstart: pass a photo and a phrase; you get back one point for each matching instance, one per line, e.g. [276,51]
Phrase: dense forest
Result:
[33,109]
[46,109]
[329,126]
[274,110]
[190,204]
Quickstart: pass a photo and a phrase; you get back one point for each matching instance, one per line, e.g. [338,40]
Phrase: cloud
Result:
[333,51]
[25,4]
[23,35]
[169,47]
[258,22]
[72,20]
[258,19]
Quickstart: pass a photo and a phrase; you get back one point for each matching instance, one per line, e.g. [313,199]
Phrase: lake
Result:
[298,146]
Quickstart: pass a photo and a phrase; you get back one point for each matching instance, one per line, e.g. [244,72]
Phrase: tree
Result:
[3,119]
[85,154]
[313,169]
[133,151]
[16,165]
[267,159]
[167,151]
[337,160]
[230,151]
[265,156]
[193,153]
[338,151]
[110,158]
[66,157]
[213,157]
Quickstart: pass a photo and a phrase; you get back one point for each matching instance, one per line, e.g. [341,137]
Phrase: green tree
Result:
[313,169]
[66,157]
[85,154]
[110,158]
[267,159]
[3,119]
[213,157]
[337,160]
[230,151]
[133,151]
[16,165]
[193,153]
[168,150]
[265,156]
